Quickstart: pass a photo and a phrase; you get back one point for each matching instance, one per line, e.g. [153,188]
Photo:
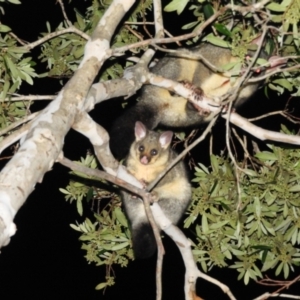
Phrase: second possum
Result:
[160,107]
[149,155]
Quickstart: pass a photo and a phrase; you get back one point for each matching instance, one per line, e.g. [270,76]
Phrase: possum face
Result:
[146,156]
[149,150]
[151,147]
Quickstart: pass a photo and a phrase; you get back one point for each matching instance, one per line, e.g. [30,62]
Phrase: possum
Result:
[149,155]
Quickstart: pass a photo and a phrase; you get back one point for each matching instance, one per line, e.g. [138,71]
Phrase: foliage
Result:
[107,239]
[260,233]
[79,190]
[264,233]
[14,68]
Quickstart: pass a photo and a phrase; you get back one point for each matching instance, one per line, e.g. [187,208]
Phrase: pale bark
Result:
[42,144]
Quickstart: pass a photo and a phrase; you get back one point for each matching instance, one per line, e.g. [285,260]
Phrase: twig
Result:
[277,70]
[29,98]
[77,167]
[284,285]
[272,113]
[18,123]
[272,295]
[52,35]
[251,8]
[159,32]
[17,38]
[64,12]
[246,153]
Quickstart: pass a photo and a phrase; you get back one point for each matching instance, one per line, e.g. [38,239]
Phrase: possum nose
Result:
[144,160]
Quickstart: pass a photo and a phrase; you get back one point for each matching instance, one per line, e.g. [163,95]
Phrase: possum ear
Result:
[140,130]
[165,139]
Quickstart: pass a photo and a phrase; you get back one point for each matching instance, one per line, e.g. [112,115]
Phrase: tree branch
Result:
[44,140]
[261,133]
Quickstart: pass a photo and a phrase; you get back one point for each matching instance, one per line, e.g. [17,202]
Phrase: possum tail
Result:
[143,241]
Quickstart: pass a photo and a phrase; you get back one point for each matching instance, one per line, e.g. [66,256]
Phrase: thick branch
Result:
[43,143]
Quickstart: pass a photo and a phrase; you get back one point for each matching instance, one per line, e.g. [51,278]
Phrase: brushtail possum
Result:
[158,106]
[149,155]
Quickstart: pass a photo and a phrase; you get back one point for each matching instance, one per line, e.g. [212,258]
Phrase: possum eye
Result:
[173,94]
[153,152]
[141,148]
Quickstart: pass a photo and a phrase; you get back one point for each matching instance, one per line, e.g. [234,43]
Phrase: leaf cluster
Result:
[260,233]
[256,235]
[14,67]
[62,53]
[106,239]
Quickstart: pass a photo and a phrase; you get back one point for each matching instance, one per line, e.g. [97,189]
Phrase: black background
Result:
[43,259]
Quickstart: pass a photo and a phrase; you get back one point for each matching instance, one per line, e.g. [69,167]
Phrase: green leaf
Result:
[286,270]
[4,28]
[264,256]
[216,41]
[246,277]
[214,163]
[222,29]
[265,155]
[250,172]
[268,226]
[75,227]
[276,18]
[294,237]
[237,252]
[101,286]
[283,224]
[284,83]
[28,79]
[11,66]
[203,167]
[79,207]
[295,188]
[279,269]
[276,7]
[64,191]
[204,223]
[257,207]
[120,246]
[5,89]
[121,217]
[13,89]
[176,5]
[14,1]
[190,25]
[89,194]
[208,11]
[219,224]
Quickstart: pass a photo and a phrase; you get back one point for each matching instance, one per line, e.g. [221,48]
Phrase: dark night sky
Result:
[43,259]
